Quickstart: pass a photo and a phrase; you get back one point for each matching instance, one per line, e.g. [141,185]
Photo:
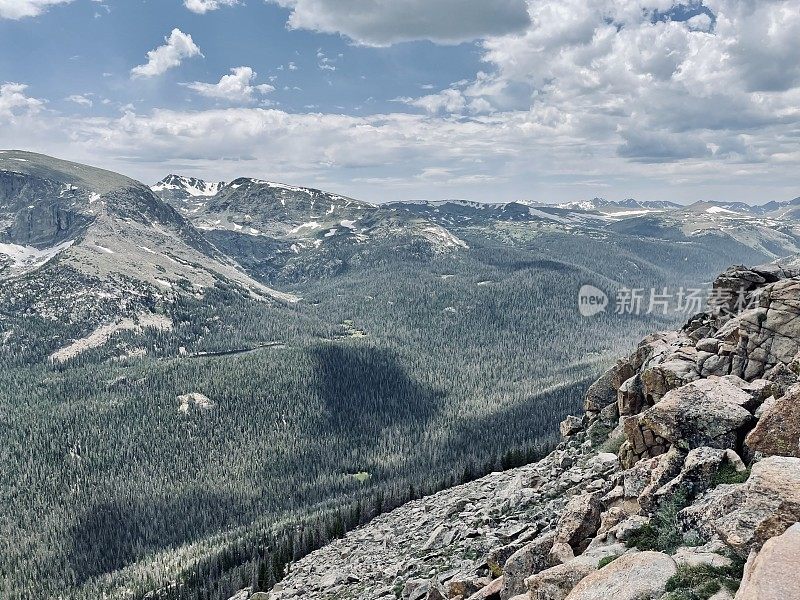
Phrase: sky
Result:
[486,100]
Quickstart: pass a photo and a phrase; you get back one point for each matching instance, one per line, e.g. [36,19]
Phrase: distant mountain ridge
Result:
[136,247]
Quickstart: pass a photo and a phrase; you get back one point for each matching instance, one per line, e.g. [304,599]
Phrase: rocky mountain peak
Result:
[179,185]
[680,480]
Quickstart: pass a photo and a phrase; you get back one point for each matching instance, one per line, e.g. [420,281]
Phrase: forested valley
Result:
[384,383]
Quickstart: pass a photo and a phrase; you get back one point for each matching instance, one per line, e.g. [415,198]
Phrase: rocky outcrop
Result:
[774,573]
[747,515]
[531,558]
[704,413]
[557,582]
[697,473]
[579,521]
[778,428]
[708,467]
[639,576]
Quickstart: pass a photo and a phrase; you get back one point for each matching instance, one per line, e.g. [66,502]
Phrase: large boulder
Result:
[640,442]
[490,592]
[782,377]
[770,333]
[658,380]
[580,521]
[602,392]
[557,582]
[463,586]
[709,412]
[697,473]
[774,573]
[531,558]
[767,335]
[735,284]
[639,576]
[630,397]
[647,475]
[747,515]
[778,430]
[570,426]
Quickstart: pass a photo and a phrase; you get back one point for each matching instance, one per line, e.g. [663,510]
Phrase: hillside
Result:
[684,466]
[85,253]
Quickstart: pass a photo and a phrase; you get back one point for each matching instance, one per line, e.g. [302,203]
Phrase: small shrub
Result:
[694,538]
[496,570]
[728,474]
[607,560]
[613,444]
[598,433]
[703,581]
[662,533]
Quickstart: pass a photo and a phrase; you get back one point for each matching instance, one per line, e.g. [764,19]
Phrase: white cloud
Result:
[80,99]
[201,7]
[381,23]
[701,22]
[14,102]
[536,154]
[18,9]
[658,146]
[593,93]
[762,42]
[608,67]
[446,101]
[178,46]
[233,88]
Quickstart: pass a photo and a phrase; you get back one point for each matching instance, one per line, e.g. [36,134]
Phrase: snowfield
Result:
[24,257]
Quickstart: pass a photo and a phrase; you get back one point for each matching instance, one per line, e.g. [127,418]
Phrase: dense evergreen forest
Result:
[385,383]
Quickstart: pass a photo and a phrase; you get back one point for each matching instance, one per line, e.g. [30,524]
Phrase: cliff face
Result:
[681,480]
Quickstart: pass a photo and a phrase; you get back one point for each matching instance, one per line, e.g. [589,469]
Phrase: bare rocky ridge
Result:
[685,464]
[92,250]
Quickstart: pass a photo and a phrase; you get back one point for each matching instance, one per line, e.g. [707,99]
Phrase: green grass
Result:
[361,476]
[703,581]
[613,444]
[662,533]
[607,560]
[728,474]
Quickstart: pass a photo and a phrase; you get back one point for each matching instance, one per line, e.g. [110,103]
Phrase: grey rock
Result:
[778,429]
[526,561]
[570,426]
[638,576]
[579,521]
[774,572]
[745,516]
[705,413]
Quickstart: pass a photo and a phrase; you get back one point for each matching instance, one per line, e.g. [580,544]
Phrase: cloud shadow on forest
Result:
[368,389]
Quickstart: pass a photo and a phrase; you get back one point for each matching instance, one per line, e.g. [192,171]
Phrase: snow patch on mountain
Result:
[309,225]
[630,213]
[282,186]
[545,215]
[190,185]
[24,257]
[441,239]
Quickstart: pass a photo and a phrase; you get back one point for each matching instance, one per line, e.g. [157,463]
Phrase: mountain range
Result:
[202,378]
